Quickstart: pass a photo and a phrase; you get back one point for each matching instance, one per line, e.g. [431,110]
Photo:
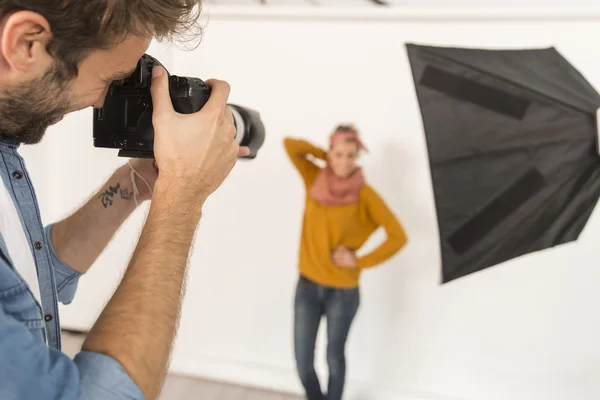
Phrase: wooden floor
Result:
[188,388]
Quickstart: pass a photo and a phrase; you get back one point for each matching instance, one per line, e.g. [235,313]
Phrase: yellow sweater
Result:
[324,228]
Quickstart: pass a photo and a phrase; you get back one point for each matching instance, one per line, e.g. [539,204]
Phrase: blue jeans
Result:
[339,306]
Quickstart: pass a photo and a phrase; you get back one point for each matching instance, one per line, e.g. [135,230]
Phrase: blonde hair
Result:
[346,128]
[351,128]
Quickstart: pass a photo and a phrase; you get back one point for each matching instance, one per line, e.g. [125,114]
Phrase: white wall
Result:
[525,330]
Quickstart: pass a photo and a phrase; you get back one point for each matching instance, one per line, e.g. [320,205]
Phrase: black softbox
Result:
[512,138]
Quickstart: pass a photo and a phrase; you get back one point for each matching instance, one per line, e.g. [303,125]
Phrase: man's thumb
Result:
[159,89]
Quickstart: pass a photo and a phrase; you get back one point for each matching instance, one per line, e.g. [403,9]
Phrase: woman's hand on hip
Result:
[343,257]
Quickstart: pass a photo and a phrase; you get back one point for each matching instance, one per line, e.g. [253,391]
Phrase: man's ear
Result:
[25,36]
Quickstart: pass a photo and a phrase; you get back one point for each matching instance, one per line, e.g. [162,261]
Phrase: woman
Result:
[341,212]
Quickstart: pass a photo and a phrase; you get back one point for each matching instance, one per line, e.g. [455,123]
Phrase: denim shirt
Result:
[32,365]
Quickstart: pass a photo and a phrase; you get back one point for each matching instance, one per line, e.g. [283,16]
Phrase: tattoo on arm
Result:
[108,196]
[126,194]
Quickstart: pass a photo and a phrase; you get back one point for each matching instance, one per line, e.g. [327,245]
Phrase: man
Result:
[58,56]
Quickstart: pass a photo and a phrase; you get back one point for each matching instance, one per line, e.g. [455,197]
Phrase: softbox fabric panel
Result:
[511,139]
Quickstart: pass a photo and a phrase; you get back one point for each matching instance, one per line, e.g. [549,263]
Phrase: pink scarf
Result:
[331,191]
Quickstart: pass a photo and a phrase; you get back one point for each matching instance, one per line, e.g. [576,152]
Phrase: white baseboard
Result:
[280,379]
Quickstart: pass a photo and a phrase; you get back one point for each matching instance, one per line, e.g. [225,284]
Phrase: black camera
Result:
[125,121]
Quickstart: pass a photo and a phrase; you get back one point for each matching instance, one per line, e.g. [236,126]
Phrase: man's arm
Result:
[80,239]
[138,325]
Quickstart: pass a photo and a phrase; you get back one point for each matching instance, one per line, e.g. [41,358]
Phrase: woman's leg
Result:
[308,311]
[341,306]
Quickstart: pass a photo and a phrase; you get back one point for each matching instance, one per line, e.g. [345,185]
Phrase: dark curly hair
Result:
[80,26]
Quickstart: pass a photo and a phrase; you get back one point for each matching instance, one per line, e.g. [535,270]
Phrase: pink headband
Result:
[345,135]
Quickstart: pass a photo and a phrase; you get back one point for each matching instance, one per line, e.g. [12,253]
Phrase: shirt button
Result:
[48,317]
[17,175]
[37,245]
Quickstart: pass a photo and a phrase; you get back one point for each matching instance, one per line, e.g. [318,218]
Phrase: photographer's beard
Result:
[27,110]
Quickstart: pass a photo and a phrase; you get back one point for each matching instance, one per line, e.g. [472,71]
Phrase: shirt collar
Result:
[11,143]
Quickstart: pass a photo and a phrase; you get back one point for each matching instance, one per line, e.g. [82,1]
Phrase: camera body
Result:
[125,120]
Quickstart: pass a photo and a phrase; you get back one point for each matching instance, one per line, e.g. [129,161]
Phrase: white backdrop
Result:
[525,330]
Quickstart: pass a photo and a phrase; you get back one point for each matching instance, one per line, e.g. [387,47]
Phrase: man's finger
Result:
[243,151]
[219,94]
[159,89]
[228,115]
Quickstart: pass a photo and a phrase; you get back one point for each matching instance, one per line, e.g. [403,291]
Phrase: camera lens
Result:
[250,130]
[240,127]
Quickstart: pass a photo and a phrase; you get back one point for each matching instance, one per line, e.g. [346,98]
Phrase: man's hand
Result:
[196,157]
[343,257]
[194,154]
